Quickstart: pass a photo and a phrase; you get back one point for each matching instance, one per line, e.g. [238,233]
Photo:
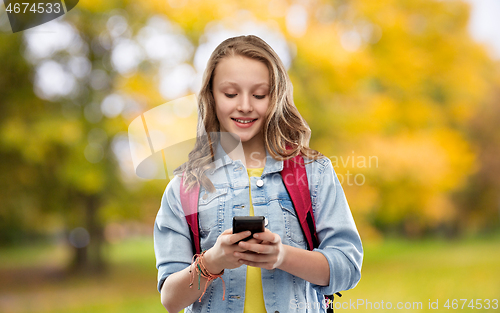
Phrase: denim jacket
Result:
[283,292]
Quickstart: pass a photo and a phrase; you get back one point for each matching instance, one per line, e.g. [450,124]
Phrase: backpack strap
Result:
[295,178]
[189,203]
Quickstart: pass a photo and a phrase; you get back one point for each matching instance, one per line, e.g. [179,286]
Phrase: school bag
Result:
[295,179]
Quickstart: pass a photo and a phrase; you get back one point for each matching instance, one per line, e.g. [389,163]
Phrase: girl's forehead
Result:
[233,71]
[235,84]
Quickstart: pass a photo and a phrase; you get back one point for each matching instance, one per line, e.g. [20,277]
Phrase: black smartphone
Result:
[255,224]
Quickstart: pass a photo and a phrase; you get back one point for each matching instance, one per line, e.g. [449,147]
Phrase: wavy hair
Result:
[286,133]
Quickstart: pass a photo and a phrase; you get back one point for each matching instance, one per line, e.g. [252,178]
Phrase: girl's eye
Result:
[260,97]
[230,95]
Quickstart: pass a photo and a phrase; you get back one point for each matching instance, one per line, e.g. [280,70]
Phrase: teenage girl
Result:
[248,124]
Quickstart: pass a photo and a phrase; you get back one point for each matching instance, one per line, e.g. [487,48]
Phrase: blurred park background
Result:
[398,94]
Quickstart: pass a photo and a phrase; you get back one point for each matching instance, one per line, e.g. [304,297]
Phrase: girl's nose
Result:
[245,104]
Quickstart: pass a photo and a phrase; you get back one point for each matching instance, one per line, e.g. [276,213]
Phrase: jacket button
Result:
[260,183]
[276,311]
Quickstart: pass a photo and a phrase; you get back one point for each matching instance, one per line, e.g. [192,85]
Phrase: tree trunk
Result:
[88,258]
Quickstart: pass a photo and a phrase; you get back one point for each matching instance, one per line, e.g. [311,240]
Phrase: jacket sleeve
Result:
[339,239]
[172,241]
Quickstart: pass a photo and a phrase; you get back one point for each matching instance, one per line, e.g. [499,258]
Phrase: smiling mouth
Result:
[243,121]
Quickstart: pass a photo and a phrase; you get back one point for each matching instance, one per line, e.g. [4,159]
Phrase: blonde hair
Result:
[286,133]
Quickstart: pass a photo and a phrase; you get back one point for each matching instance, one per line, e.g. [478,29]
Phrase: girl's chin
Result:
[242,134]
[236,135]
[245,139]
[242,137]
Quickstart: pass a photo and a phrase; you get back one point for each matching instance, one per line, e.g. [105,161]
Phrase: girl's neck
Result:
[252,153]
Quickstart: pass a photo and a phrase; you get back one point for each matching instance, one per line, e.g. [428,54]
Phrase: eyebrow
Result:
[235,84]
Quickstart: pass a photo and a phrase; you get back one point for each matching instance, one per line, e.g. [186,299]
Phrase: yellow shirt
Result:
[254,296]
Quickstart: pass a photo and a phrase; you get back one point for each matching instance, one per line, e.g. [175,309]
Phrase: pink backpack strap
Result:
[295,178]
[189,202]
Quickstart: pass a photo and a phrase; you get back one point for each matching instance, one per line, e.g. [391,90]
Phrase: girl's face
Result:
[241,93]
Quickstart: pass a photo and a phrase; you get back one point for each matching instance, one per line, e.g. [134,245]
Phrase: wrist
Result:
[283,263]
[211,263]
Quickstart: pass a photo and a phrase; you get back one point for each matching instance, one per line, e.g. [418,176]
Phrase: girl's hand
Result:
[269,254]
[221,255]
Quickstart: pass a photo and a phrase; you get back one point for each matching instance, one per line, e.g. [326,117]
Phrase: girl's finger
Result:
[252,257]
[253,240]
[255,247]
[254,264]
[267,236]
[238,236]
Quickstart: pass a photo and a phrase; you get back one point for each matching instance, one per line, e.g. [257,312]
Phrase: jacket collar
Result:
[222,159]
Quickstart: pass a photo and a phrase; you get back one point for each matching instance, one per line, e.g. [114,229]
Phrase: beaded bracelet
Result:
[203,272]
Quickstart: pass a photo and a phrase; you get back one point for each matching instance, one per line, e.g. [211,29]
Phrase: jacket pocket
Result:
[209,207]
[292,224]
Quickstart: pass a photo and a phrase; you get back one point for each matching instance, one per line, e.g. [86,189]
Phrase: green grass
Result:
[31,278]
[423,271]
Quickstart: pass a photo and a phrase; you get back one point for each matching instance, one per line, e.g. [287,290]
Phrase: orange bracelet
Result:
[203,272]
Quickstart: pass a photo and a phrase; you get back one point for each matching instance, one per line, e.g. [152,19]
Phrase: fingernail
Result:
[256,235]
